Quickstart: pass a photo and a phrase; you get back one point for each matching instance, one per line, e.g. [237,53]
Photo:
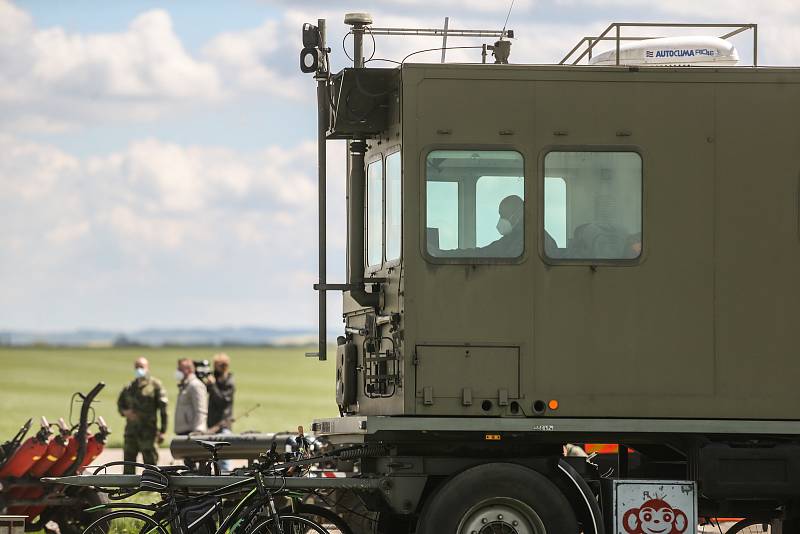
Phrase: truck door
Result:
[472,286]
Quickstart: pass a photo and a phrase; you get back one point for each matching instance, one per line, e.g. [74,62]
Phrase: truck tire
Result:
[498,498]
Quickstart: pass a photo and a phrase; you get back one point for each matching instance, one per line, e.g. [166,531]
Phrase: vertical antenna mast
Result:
[505,24]
[358,21]
[314,58]
[444,37]
[322,159]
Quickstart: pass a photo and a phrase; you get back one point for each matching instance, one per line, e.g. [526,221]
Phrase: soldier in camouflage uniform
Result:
[139,403]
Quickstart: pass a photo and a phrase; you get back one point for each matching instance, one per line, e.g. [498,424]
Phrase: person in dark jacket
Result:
[511,242]
[220,388]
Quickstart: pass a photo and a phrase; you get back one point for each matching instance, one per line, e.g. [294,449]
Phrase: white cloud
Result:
[39,124]
[161,194]
[498,10]
[162,221]
[188,179]
[141,73]
[722,10]
[146,61]
[29,171]
[248,60]
[68,232]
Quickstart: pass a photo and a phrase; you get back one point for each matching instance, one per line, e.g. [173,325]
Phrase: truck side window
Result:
[475,204]
[593,205]
[375,213]
[394,219]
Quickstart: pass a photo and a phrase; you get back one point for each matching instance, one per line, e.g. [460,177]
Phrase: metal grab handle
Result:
[83,426]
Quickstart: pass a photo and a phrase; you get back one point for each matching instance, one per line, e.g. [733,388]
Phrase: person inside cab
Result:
[510,226]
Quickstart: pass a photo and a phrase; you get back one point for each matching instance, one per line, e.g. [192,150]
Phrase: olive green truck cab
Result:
[551,255]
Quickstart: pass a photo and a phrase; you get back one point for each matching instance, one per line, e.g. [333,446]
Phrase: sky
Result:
[158,159]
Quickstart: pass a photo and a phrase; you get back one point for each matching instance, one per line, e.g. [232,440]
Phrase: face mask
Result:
[178,375]
[140,372]
[504,226]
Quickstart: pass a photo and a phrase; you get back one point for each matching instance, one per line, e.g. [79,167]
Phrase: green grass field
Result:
[291,389]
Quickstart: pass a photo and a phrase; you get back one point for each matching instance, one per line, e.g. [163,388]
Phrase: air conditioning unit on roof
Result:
[702,51]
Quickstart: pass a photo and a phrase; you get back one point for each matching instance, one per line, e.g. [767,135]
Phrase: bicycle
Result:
[185,513]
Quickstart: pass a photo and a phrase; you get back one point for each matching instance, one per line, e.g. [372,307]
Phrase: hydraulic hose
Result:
[83,427]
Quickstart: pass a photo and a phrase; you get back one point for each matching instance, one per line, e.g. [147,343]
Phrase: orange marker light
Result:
[493,437]
[553,404]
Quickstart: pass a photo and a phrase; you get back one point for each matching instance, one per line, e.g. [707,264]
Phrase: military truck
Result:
[543,255]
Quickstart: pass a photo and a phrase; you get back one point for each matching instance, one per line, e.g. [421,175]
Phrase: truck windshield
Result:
[475,203]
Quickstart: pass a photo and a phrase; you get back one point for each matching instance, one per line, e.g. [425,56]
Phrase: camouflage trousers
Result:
[144,443]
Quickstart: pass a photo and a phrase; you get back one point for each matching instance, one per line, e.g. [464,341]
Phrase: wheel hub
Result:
[498,527]
[501,516]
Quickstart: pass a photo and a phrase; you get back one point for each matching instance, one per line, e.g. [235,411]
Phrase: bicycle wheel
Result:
[290,524]
[125,522]
[327,518]
[749,526]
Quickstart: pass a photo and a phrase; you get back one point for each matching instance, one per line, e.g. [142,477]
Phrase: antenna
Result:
[444,37]
[500,49]
[505,24]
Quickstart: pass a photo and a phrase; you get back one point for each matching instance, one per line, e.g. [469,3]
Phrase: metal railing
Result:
[616,27]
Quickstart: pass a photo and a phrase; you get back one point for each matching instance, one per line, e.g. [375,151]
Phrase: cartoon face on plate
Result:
[655,516]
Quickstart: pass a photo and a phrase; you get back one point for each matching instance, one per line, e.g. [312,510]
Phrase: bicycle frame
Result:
[167,512]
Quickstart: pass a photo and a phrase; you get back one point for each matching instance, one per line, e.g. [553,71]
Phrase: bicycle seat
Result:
[211,446]
[153,480]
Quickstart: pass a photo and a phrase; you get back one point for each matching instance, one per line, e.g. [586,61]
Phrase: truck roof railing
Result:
[616,27]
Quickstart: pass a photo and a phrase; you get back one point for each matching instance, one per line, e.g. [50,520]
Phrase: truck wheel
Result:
[498,498]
